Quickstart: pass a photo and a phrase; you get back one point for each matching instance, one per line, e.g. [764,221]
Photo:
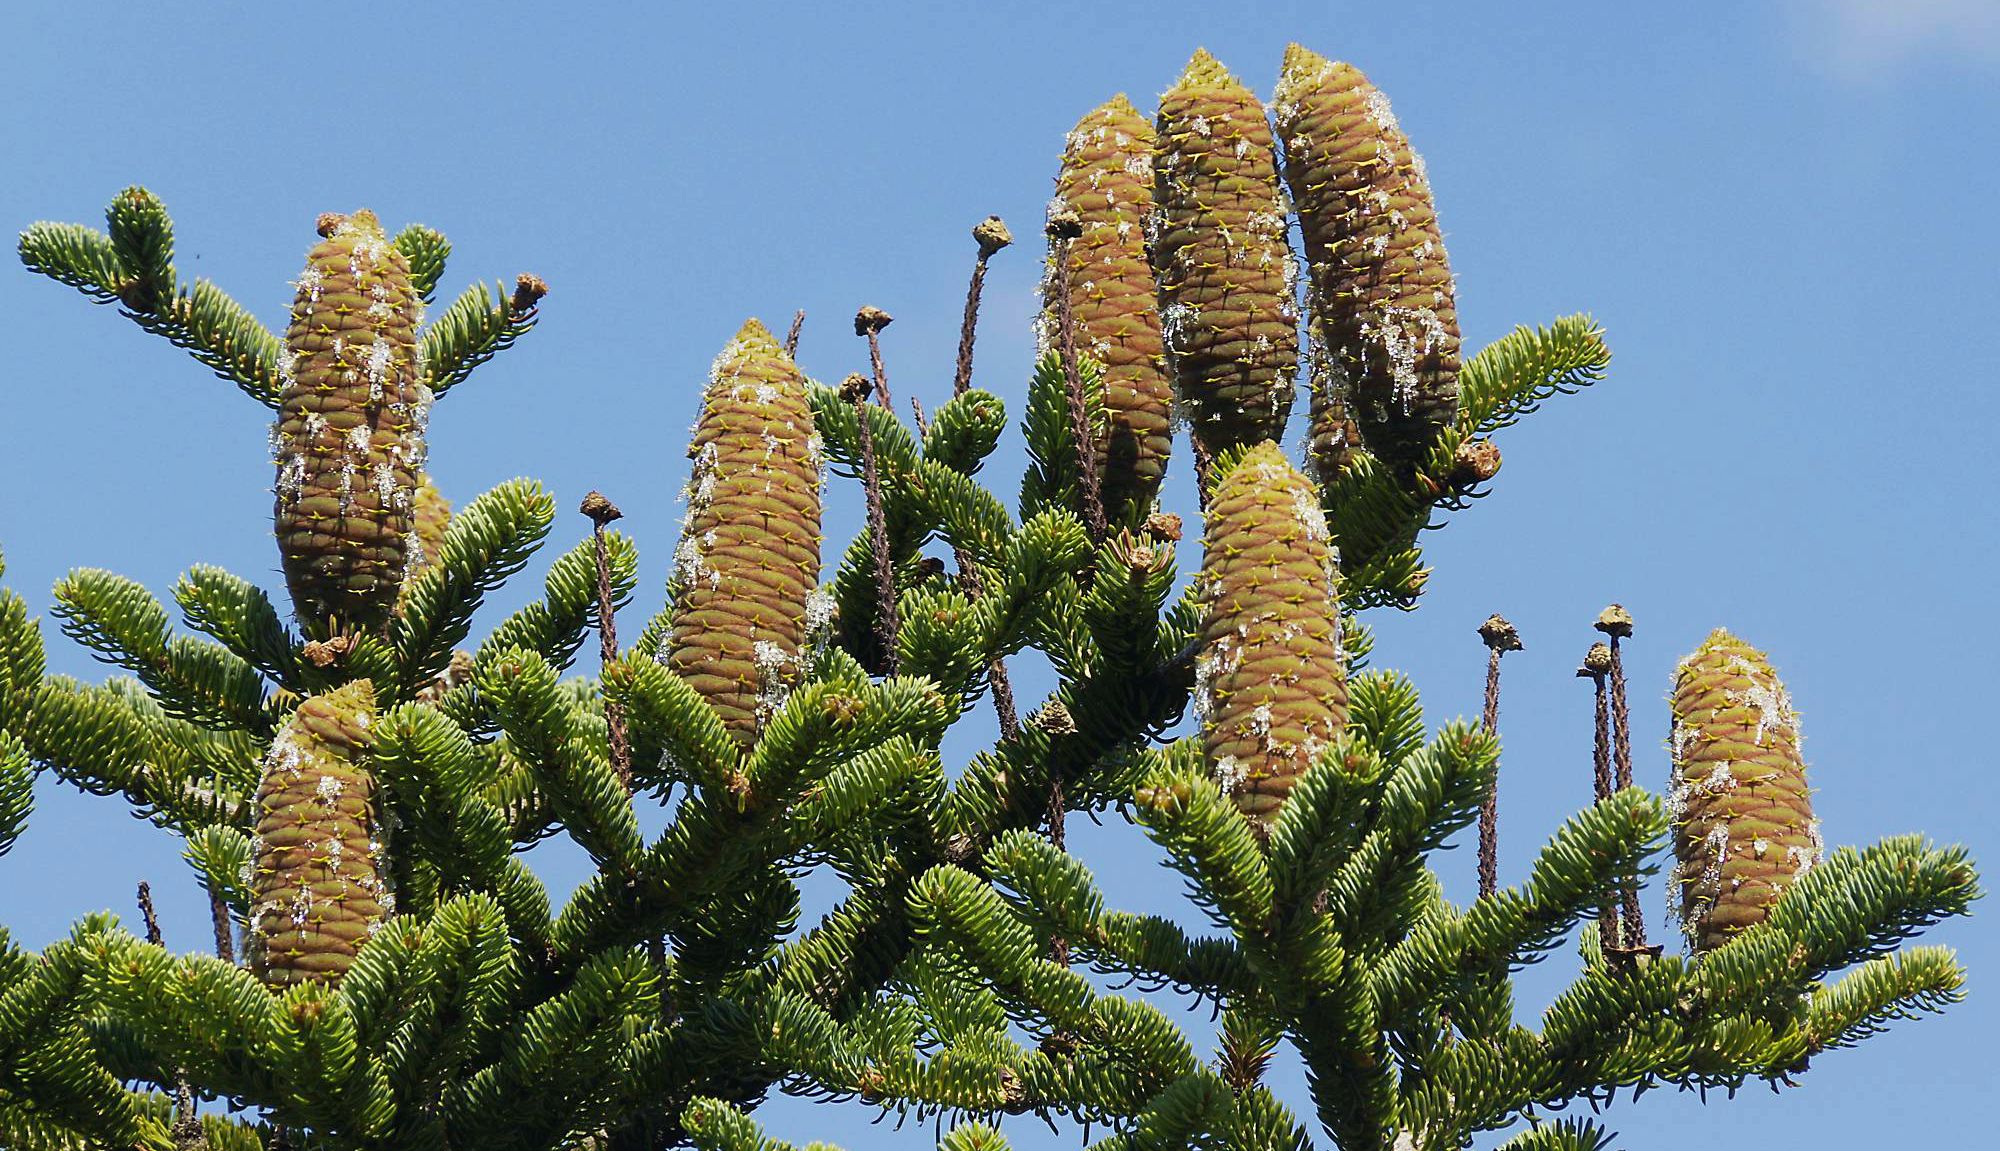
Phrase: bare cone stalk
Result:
[1222,261]
[1744,831]
[601,511]
[316,887]
[1500,638]
[748,561]
[1597,665]
[1616,624]
[1106,181]
[349,440]
[1380,284]
[1270,679]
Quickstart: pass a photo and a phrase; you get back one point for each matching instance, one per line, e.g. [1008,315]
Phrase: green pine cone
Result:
[349,440]
[430,515]
[1743,823]
[315,885]
[1222,261]
[1107,180]
[1271,678]
[747,568]
[1381,287]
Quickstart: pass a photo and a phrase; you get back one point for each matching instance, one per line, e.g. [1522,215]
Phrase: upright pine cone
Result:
[747,567]
[1271,680]
[1381,288]
[430,515]
[1743,823]
[1223,265]
[1107,180]
[349,440]
[316,890]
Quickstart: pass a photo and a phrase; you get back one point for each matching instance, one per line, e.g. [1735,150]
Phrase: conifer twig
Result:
[1064,227]
[1616,623]
[602,511]
[1500,638]
[869,322]
[1597,665]
[225,933]
[991,235]
[792,334]
[187,1125]
[1054,719]
[854,389]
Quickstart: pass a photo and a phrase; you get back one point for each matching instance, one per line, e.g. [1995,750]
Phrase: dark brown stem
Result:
[1058,813]
[1088,483]
[917,411]
[792,336]
[996,671]
[602,511]
[1608,934]
[886,624]
[225,934]
[146,913]
[187,1125]
[1621,747]
[881,374]
[1489,808]
[961,377]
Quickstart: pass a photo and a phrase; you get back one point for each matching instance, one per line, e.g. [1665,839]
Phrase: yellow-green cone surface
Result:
[1271,678]
[1381,286]
[1743,823]
[430,515]
[747,568]
[1107,181]
[349,440]
[1221,259]
[315,882]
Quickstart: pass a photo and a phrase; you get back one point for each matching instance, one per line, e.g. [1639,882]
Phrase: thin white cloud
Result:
[1872,37]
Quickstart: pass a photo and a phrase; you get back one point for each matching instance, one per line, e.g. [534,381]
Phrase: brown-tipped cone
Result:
[1271,677]
[349,440]
[1743,823]
[748,561]
[1221,259]
[1107,182]
[1381,287]
[315,883]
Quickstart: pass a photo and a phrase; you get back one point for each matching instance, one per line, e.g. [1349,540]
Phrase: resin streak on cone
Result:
[315,881]
[747,567]
[1222,261]
[349,440]
[1743,825]
[1271,677]
[1107,181]
[1380,284]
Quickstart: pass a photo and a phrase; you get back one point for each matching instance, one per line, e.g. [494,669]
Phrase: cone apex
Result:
[1204,70]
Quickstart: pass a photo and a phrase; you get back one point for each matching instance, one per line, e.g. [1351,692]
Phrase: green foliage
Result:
[965,976]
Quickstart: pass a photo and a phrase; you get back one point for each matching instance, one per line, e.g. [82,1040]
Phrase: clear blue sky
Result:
[1781,212]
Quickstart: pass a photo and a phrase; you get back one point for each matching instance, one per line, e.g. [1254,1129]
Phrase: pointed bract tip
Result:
[353,696]
[1301,64]
[753,332]
[1119,105]
[1204,70]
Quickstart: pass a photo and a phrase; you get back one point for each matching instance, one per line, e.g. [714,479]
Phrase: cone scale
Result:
[747,568]
[315,881]
[1743,825]
[1221,259]
[1107,181]
[349,441]
[1271,678]
[1380,285]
